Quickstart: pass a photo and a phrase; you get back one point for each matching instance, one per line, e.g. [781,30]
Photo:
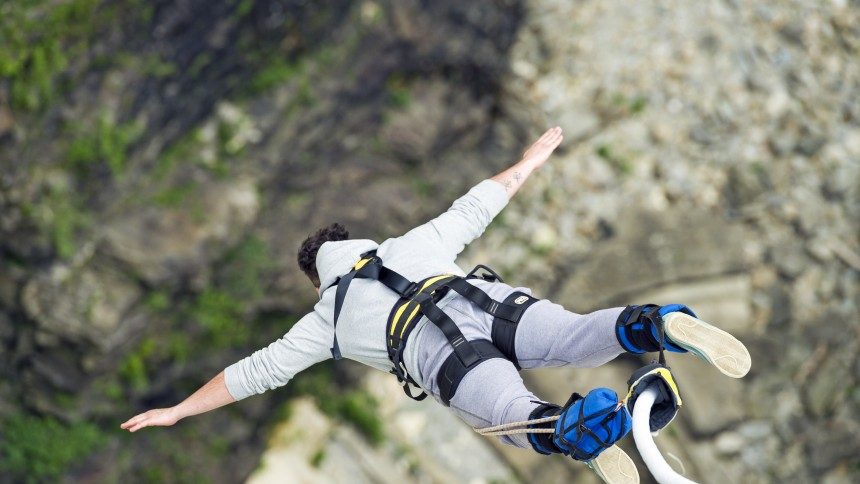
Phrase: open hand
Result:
[539,152]
[163,417]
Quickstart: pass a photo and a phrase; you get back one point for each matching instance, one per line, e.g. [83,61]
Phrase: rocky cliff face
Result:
[161,161]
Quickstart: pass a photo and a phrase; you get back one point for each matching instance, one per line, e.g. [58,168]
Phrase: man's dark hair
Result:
[311,245]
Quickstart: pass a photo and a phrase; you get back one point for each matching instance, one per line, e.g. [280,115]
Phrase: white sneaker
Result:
[614,466]
[709,343]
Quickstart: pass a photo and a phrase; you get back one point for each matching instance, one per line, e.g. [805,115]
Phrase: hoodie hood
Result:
[336,258]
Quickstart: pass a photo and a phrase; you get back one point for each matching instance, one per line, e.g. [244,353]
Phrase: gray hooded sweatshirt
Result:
[425,251]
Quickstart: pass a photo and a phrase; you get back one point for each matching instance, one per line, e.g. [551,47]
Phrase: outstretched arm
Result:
[271,367]
[448,234]
[209,397]
[535,156]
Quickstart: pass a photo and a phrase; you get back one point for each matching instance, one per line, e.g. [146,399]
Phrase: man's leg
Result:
[549,335]
[492,394]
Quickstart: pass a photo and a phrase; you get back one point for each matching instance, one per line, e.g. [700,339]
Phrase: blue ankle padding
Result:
[596,412]
[626,343]
[538,447]
[664,310]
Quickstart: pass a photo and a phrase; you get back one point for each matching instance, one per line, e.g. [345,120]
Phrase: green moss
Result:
[629,105]
[277,72]
[175,195]
[65,400]
[398,91]
[178,348]
[243,8]
[359,408]
[198,64]
[185,148]
[133,368]
[244,267]
[317,458]
[60,215]
[354,406]
[157,301]
[35,449]
[38,38]
[220,314]
[111,389]
[423,187]
[603,151]
[108,143]
[638,104]
[617,161]
[155,66]
[171,460]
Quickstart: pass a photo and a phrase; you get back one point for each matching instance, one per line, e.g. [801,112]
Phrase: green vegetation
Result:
[317,458]
[133,368]
[60,215]
[157,301]
[632,105]
[38,38]
[277,72]
[423,187]
[35,449]
[618,161]
[354,406]
[182,149]
[172,460]
[398,91]
[244,266]
[175,195]
[108,143]
[220,314]
[359,408]
[243,8]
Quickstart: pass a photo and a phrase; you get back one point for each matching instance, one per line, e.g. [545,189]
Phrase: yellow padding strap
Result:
[402,309]
[666,376]
[358,265]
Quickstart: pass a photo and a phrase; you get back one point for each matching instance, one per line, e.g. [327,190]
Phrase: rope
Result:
[517,431]
[513,427]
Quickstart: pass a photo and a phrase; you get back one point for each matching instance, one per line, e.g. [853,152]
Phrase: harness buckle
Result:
[411,289]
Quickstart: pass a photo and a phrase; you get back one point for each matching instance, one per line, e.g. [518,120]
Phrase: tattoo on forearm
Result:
[517,176]
[507,185]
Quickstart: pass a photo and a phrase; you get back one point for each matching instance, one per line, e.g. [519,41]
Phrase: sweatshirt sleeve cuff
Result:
[231,380]
[493,194]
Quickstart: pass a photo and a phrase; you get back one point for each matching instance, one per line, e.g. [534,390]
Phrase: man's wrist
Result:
[529,164]
[177,412]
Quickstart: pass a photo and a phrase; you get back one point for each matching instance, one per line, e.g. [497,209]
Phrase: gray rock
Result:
[652,250]
[708,406]
[724,301]
[84,305]
[164,246]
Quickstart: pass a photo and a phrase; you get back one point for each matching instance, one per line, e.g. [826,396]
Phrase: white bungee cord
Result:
[662,472]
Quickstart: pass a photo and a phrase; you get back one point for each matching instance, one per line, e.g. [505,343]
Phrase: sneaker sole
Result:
[711,344]
[614,466]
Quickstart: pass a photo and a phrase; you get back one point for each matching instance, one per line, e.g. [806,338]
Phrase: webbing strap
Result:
[453,370]
[407,311]
[465,352]
[485,302]
[504,332]
[362,267]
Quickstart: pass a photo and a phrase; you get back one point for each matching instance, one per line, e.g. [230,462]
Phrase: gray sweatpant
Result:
[547,336]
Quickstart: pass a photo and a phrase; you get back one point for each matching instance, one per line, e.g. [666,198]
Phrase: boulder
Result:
[85,304]
[167,245]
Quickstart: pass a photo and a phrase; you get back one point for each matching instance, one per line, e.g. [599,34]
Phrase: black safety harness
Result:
[419,299]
